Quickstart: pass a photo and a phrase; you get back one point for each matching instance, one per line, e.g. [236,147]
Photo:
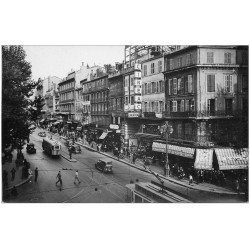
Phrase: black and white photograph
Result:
[154,124]
[124,125]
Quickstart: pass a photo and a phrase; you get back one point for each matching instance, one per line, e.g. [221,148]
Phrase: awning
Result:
[229,158]
[147,136]
[104,134]
[204,159]
[173,149]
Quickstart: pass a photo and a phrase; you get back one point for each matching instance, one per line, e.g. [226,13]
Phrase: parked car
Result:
[104,165]
[30,148]
[42,134]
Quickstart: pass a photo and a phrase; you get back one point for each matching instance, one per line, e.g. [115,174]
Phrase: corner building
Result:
[207,103]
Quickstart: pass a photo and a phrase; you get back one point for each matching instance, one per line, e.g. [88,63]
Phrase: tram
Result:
[52,147]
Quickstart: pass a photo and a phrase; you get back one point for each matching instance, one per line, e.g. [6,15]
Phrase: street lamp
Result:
[166,129]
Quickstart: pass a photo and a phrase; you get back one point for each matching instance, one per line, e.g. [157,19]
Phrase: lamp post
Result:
[166,129]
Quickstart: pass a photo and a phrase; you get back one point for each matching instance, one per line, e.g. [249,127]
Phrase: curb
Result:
[20,184]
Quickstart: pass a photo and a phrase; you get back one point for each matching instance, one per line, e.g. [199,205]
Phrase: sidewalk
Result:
[18,181]
[203,187]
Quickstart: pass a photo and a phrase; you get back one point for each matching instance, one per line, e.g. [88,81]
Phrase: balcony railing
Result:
[211,114]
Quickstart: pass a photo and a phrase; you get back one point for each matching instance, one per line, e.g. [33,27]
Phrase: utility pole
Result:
[166,129]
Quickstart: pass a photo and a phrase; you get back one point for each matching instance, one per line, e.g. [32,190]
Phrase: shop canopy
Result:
[204,159]
[229,158]
[104,134]
[173,149]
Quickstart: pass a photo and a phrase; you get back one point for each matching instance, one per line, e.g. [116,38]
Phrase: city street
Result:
[94,187]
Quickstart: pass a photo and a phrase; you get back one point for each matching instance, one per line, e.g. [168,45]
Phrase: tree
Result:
[17,88]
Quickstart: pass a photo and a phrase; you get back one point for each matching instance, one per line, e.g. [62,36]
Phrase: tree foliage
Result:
[17,88]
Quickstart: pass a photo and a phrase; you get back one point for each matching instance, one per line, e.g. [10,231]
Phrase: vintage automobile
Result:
[76,149]
[104,165]
[42,134]
[30,148]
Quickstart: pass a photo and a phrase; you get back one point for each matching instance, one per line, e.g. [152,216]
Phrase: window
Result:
[149,88]
[146,88]
[187,105]
[210,57]
[210,83]
[228,83]
[179,63]
[159,66]
[188,129]
[182,106]
[244,83]
[175,86]
[132,100]
[192,105]
[227,58]
[145,70]
[170,82]
[162,89]
[179,85]
[229,106]
[126,100]
[157,87]
[152,106]
[161,106]
[171,64]
[211,106]
[152,68]
[153,87]
[174,106]
[179,130]
[132,81]
[156,107]
[179,106]
[190,84]
[188,59]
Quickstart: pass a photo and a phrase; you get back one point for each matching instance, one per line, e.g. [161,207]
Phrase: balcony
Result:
[205,114]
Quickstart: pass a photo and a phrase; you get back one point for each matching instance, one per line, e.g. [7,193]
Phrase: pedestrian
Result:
[13,173]
[190,179]
[70,152]
[36,174]
[59,177]
[76,177]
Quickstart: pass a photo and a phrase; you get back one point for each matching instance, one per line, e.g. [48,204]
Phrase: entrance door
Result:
[211,106]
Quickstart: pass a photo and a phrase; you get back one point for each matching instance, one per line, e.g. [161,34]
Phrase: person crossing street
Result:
[76,177]
[59,177]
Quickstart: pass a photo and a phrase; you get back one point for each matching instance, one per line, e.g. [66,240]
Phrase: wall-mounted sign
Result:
[114,126]
[133,114]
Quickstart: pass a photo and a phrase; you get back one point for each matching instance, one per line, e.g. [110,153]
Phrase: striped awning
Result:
[229,158]
[173,149]
[104,134]
[204,159]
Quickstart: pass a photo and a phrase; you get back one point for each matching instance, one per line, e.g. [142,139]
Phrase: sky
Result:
[59,60]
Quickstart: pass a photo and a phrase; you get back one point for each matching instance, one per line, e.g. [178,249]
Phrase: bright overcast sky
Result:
[59,60]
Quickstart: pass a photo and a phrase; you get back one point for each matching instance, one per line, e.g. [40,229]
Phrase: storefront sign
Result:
[133,114]
[114,126]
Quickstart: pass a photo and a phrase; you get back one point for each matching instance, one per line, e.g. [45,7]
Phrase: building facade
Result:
[98,91]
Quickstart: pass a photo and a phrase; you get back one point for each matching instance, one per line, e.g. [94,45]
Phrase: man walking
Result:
[76,178]
[59,177]
[13,174]
[36,174]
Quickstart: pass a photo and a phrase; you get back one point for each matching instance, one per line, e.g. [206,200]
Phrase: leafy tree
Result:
[17,88]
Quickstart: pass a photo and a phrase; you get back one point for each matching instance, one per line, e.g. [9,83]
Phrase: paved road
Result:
[94,187]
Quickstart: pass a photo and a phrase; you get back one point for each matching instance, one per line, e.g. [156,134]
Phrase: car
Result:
[104,165]
[30,148]
[42,134]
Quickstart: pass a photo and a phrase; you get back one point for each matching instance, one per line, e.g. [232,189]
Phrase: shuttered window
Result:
[170,83]
[182,105]
[174,106]
[175,86]
[210,57]
[210,83]
[227,58]
[190,84]
[187,105]
[228,83]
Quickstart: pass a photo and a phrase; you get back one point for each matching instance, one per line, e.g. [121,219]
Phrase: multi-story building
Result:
[116,96]
[207,99]
[98,91]
[70,93]
[153,91]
